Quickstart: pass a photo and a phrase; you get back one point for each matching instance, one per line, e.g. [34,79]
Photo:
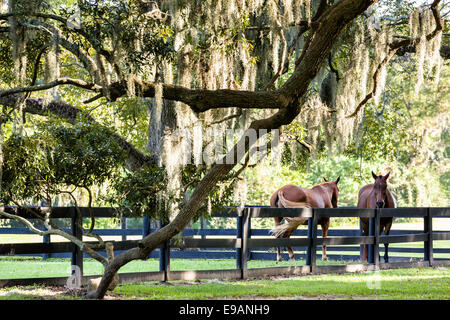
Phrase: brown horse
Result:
[324,195]
[376,195]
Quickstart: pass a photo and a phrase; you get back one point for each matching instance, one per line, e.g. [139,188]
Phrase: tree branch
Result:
[329,27]
[201,100]
[57,82]
[51,231]
[87,35]
[444,51]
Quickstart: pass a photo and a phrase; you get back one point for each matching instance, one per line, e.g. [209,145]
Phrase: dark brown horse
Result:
[376,195]
[324,195]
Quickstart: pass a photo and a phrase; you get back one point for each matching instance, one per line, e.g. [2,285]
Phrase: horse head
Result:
[334,190]
[379,189]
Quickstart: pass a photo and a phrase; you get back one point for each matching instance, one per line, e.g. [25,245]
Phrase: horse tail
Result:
[291,204]
[286,229]
[276,201]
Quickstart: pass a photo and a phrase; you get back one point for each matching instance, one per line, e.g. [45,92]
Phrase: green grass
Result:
[414,283]
[36,267]
[405,284]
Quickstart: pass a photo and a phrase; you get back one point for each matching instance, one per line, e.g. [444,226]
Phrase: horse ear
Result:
[325,179]
[374,175]
[337,180]
[387,176]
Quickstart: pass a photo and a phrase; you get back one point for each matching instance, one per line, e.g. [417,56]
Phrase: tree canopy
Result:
[165,102]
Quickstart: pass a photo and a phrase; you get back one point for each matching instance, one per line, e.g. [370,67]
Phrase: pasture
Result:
[204,279]
[412,284]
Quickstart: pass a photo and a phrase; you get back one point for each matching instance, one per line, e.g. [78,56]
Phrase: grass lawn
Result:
[410,284]
[36,267]
[414,283]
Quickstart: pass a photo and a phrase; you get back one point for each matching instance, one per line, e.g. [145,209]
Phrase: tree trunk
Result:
[323,34]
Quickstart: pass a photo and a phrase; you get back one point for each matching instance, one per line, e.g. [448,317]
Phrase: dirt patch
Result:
[47,293]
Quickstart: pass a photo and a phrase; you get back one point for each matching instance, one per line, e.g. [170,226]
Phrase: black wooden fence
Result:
[242,241]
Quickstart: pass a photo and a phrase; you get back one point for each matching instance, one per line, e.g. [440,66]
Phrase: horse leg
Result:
[325,227]
[291,253]
[277,221]
[386,258]
[289,249]
[279,254]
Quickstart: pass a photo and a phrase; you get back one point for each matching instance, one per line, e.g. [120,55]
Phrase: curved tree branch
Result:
[52,231]
[329,27]
[201,100]
[57,82]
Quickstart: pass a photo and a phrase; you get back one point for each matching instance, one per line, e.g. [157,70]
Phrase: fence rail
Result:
[243,241]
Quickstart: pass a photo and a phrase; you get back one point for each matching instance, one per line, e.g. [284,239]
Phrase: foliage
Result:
[24,170]
[55,158]
[84,154]
[130,117]
[395,134]
[143,192]
[122,28]
[382,134]
[408,134]
[221,196]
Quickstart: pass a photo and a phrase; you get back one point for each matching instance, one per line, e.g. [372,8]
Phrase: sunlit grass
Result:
[415,283]
[36,267]
[405,284]
[412,283]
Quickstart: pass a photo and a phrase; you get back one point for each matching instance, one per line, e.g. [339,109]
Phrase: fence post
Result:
[370,251]
[77,231]
[428,243]
[164,254]
[203,227]
[239,229]
[245,228]
[123,226]
[249,235]
[361,246]
[46,239]
[313,241]
[309,236]
[376,247]
[145,228]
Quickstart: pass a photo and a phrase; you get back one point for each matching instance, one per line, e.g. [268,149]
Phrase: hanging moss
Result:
[421,24]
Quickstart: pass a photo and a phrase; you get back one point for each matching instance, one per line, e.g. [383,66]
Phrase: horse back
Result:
[291,192]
